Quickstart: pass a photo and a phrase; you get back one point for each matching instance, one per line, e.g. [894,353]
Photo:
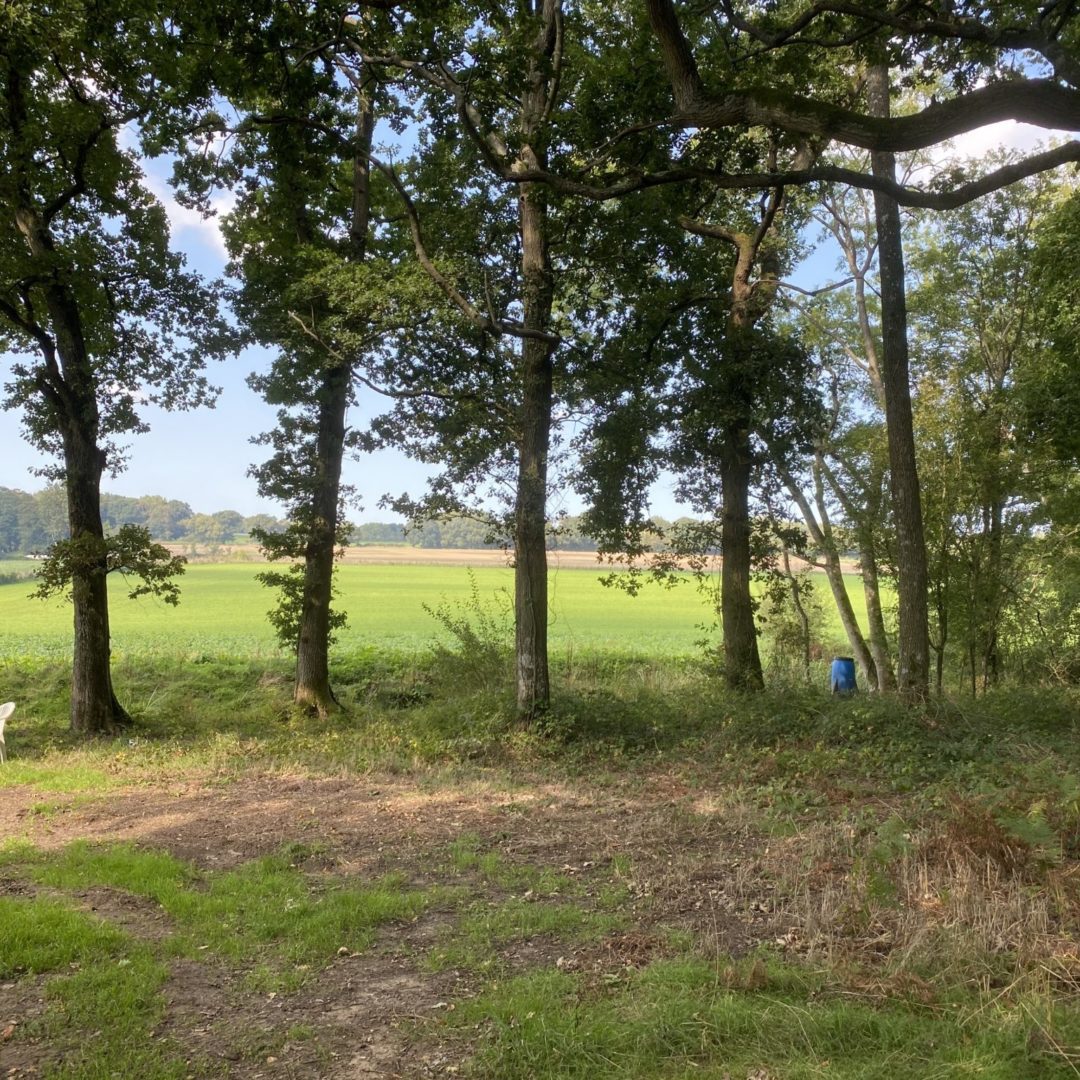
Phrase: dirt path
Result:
[368,1011]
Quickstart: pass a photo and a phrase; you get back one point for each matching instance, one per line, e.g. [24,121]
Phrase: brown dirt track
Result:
[376,1014]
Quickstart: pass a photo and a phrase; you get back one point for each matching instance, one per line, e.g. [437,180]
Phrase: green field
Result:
[223,609]
[659,879]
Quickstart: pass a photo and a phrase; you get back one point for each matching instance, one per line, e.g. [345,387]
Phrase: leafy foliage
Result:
[285,616]
[129,551]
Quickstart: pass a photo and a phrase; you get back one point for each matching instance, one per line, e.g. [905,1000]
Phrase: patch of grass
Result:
[99,1012]
[101,1017]
[686,1018]
[484,930]
[56,776]
[41,935]
[466,855]
[266,913]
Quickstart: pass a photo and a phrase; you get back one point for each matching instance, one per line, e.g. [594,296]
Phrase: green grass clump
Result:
[100,1009]
[100,1018]
[687,1018]
[266,913]
[42,935]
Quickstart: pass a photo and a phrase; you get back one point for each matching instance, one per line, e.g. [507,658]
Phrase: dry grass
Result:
[962,905]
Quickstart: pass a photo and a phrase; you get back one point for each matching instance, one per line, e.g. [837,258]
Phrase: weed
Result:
[481,633]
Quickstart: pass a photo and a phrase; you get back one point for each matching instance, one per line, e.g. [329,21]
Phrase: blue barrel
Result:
[843,675]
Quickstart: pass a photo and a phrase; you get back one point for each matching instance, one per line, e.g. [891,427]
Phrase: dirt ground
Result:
[402,555]
[368,1011]
[393,554]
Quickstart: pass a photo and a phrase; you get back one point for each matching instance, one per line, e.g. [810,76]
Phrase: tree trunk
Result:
[530,555]
[913,668]
[868,569]
[749,301]
[875,618]
[313,689]
[993,591]
[94,707]
[822,535]
[742,662]
[537,382]
[800,611]
[530,511]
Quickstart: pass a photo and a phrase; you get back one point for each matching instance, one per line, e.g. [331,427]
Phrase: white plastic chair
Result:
[5,711]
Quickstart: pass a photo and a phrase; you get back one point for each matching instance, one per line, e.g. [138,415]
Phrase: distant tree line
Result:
[32,522]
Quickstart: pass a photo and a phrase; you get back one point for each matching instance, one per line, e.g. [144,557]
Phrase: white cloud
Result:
[1007,135]
[189,228]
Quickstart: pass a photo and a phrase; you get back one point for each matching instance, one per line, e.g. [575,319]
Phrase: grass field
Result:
[223,610]
[660,880]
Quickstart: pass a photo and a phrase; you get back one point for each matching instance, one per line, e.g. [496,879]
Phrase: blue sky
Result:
[202,457]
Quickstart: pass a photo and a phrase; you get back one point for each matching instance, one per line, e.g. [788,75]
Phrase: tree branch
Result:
[453,294]
[1035,101]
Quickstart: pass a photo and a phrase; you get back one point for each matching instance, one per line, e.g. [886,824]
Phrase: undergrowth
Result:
[920,866]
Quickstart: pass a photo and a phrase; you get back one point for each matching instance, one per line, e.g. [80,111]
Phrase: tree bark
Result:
[537,383]
[875,618]
[94,707]
[312,688]
[530,537]
[530,511]
[913,667]
[800,611]
[742,661]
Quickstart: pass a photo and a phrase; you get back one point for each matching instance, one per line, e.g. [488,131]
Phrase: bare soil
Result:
[369,1015]
[403,555]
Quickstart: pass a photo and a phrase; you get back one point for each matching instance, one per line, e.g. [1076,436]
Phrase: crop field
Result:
[223,610]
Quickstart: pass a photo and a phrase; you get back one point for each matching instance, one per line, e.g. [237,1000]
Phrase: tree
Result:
[100,312]
[21,529]
[165,517]
[266,523]
[693,378]
[494,94]
[849,471]
[231,523]
[205,529]
[981,326]
[758,380]
[313,284]
[967,47]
